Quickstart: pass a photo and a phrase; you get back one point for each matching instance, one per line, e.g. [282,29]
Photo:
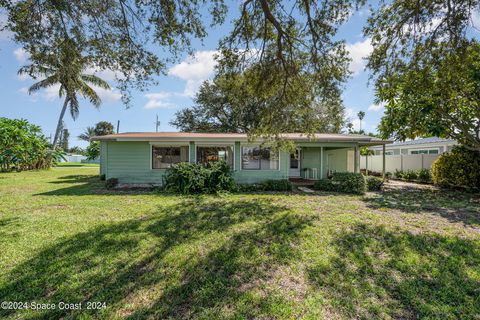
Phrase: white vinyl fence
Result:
[398,162]
[74,158]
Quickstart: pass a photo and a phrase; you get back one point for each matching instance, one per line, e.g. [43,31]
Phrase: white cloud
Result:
[475,20]
[104,74]
[51,93]
[358,52]
[376,107]
[21,55]
[160,100]
[194,70]
[107,95]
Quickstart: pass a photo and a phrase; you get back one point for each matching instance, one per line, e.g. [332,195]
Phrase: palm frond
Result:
[87,134]
[74,106]
[96,81]
[90,94]
[42,84]
[62,90]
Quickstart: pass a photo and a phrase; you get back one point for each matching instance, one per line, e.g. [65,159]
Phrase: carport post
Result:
[383,162]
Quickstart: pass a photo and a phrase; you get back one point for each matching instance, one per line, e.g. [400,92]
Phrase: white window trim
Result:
[255,170]
[216,144]
[161,144]
[421,149]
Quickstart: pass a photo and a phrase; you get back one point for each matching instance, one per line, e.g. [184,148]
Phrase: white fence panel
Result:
[398,162]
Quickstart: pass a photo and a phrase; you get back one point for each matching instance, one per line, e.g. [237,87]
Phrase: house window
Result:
[164,157]
[424,151]
[256,158]
[213,154]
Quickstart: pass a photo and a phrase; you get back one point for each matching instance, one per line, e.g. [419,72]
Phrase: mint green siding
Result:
[130,162]
[103,157]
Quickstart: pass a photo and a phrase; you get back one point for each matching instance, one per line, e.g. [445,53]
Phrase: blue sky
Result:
[174,91]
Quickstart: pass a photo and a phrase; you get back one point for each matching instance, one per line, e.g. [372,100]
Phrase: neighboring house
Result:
[143,157]
[432,145]
[408,155]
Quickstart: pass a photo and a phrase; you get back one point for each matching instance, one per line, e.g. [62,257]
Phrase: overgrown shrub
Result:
[324,185]
[374,183]
[219,178]
[23,147]
[190,178]
[102,177]
[423,175]
[111,183]
[398,174]
[350,182]
[346,182]
[410,175]
[458,168]
[277,185]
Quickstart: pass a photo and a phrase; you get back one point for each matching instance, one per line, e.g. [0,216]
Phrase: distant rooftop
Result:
[420,141]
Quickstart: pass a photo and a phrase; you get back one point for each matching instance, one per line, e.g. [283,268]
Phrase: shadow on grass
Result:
[378,274]
[455,206]
[83,185]
[192,259]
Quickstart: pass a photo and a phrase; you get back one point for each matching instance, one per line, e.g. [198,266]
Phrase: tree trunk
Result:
[59,124]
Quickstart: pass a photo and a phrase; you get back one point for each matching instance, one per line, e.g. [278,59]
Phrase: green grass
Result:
[411,253]
[77,164]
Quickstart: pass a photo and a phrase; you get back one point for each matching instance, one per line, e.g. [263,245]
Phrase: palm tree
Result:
[87,134]
[66,67]
[350,127]
[361,115]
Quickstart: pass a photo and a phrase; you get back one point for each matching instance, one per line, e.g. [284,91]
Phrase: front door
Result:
[294,164]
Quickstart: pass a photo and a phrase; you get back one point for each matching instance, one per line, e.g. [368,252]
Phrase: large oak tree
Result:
[138,39]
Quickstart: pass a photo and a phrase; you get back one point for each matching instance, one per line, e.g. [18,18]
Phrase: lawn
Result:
[406,253]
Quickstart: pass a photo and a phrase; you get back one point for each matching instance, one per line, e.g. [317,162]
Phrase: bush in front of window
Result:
[219,178]
[194,178]
[458,168]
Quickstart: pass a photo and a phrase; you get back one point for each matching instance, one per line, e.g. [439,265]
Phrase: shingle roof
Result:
[322,137]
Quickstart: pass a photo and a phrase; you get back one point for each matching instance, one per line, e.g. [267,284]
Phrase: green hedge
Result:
[458,168]
[346,182]
[189,178]
[374,183]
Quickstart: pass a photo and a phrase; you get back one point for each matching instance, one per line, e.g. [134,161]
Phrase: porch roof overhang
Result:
[361,140]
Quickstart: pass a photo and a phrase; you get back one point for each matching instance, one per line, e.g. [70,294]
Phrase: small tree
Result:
[361,115]
[93,150]
[103,128]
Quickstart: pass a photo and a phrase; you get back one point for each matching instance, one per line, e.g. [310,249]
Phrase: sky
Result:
[174,91]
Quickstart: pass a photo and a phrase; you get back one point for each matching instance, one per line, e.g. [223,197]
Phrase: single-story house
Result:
[143,157]
[431,145]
